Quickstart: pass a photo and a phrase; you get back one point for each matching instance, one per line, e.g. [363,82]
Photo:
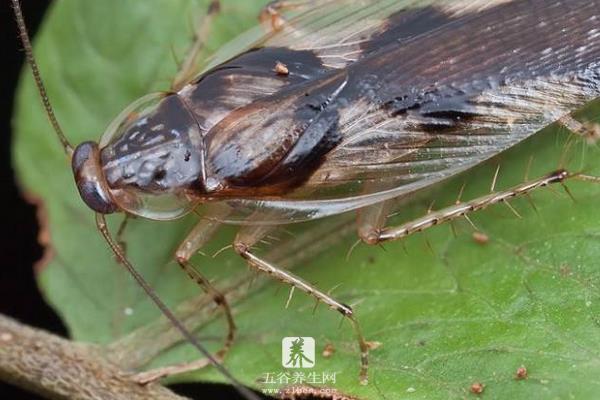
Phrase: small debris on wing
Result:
[281,69]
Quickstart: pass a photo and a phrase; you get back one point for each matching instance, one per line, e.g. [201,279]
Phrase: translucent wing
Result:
[453,84]
[316,36]
[336,29]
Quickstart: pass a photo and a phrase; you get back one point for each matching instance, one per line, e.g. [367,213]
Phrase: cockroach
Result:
[372,101]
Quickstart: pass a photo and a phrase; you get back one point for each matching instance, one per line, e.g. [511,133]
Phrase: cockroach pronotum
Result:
[339,106]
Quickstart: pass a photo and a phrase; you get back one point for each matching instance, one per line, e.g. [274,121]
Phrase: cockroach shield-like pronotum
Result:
[337,105]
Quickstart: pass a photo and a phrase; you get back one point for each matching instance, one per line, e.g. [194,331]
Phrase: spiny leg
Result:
[199,235]
[219,299]
[120,236]
[105,232]
[188,67]
[589,131]
[122,243]
[461,210]
[248,236]
[371,228]
[369,220]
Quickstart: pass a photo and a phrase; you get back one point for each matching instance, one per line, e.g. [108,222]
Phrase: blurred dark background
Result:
[19,295]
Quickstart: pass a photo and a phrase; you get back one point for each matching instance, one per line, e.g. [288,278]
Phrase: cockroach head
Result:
[148,161]
[90,179]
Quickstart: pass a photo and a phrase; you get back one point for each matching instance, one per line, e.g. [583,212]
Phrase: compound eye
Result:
[90,180]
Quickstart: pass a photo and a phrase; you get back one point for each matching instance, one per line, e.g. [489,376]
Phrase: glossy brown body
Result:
[452,89]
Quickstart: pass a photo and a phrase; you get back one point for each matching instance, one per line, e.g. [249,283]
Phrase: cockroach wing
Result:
[316,37]
[433,91]
[340,32]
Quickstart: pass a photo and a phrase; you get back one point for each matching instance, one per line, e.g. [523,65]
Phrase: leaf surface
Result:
[446,316]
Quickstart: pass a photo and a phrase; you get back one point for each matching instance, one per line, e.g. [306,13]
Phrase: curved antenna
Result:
[118,251]
[39,83]
[101,221]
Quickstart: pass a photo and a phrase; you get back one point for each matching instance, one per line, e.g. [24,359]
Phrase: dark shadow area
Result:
[19,249]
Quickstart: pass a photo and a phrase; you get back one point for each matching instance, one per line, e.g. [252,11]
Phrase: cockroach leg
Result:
[116,249]
[120,236]
[371,219]
[271,13]
[188,68]
[163,372]
[589,131]
[372,232]
[248,236]
[289,300]
[199,235]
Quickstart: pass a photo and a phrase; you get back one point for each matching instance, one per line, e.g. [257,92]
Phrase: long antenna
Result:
[103,228]
[101,221]
[39,83]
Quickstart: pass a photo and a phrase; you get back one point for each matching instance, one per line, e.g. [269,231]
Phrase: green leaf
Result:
[446,317]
